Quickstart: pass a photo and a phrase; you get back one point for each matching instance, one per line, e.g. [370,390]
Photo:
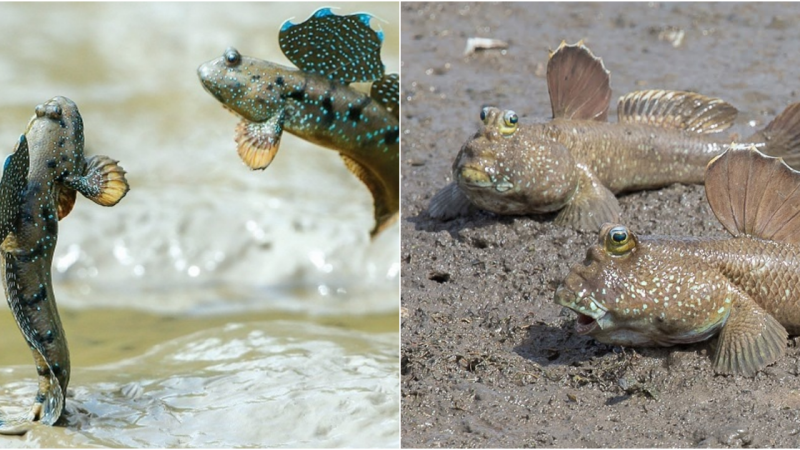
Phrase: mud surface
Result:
[488,360]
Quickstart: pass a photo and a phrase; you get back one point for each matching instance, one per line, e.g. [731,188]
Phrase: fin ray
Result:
[341,48]
[386,91]
[386,210]
[750,339]
[754,194]
[676,109]
[591,206]
[578,83]
[450,202]
[13,183]
[258,142]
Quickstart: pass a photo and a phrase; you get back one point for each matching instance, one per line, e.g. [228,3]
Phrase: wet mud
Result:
[487,358]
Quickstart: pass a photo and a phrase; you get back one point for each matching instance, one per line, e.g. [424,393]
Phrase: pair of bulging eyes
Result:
[509,125]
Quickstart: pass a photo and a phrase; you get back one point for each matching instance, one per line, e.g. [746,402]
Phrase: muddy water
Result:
[236,308]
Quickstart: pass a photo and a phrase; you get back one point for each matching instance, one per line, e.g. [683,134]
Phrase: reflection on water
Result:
[201,242]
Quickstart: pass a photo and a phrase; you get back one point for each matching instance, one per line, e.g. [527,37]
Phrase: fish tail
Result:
[781,137]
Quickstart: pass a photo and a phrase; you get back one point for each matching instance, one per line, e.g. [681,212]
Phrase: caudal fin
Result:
[781,137]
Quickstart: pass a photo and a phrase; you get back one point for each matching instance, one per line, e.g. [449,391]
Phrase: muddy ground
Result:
[488,360]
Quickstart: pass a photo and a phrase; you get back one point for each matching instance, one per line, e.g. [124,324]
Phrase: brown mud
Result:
[488,360]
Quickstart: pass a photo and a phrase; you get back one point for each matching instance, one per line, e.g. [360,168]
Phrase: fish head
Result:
[626,294]
[55,135]
[248,87]
[511,169]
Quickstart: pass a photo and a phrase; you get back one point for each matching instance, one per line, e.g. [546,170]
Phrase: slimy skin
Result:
[57,170]
[316,102]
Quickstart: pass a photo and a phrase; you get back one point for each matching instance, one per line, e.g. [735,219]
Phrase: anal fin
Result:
[591,206]
[676,109]
[449,203]
[754,194]
[386,207]
[750,339]
[578,83]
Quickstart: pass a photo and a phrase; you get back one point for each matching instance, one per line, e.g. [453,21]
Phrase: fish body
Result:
[316,102]
[57,170]
[576,163]
[659,290]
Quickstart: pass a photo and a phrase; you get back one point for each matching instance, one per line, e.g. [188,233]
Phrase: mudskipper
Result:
[575,163]
[317,102]
[660,290]
[38,189]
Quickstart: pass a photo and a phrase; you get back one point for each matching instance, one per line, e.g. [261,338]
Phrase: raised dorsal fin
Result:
[386,91]
[578,84]
[676,109]
[14,181]
[341,48]
[756,195]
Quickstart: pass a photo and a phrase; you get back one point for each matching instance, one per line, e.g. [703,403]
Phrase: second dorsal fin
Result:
[756,195]
[340,48]
[386,91]
[578,83]
[676,109]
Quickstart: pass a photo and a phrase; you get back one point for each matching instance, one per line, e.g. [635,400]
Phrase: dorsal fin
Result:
[14,181]
[578,84]
[676,109]
[341,48]
[754,194]
[386,91]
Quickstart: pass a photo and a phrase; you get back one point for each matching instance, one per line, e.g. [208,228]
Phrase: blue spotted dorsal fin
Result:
[341,48]
[15,178]
[386,91]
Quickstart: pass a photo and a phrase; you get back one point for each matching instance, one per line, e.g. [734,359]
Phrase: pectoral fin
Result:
[15,178]
[590,206]
[386,206]
[386,91]
[258,142]
[449,203]
[676,109]
[750,340]
[342,48]
[103,182]
[755,195]
[578,84]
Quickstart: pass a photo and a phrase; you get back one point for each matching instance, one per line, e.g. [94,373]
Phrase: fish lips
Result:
[587,322]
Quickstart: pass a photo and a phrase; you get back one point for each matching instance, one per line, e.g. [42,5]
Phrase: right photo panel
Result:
[600,225]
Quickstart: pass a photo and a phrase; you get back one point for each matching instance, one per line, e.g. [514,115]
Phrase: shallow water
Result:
[225,293]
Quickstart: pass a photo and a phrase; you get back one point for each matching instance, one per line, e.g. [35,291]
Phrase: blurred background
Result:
[235,307]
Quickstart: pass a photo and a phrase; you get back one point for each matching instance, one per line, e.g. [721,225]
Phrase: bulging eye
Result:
[232,57]
[619,241]
[484,113]
[54,111]
[509,126]
[511,119]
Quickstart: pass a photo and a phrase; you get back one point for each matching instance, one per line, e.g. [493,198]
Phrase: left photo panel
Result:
[198,209]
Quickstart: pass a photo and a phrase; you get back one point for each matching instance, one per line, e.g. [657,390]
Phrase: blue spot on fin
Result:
[342,48]
[386,91]
[12,185]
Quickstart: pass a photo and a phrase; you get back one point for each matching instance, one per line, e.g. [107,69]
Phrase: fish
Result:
[634,290]
[46,170]
[575,164]
[316,102]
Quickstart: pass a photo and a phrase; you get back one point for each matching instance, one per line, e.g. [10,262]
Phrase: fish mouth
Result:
[585,324]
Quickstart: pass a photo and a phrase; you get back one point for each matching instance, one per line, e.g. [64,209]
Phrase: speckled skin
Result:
[538,168]
[322,111]
[57,168]
[677,290]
